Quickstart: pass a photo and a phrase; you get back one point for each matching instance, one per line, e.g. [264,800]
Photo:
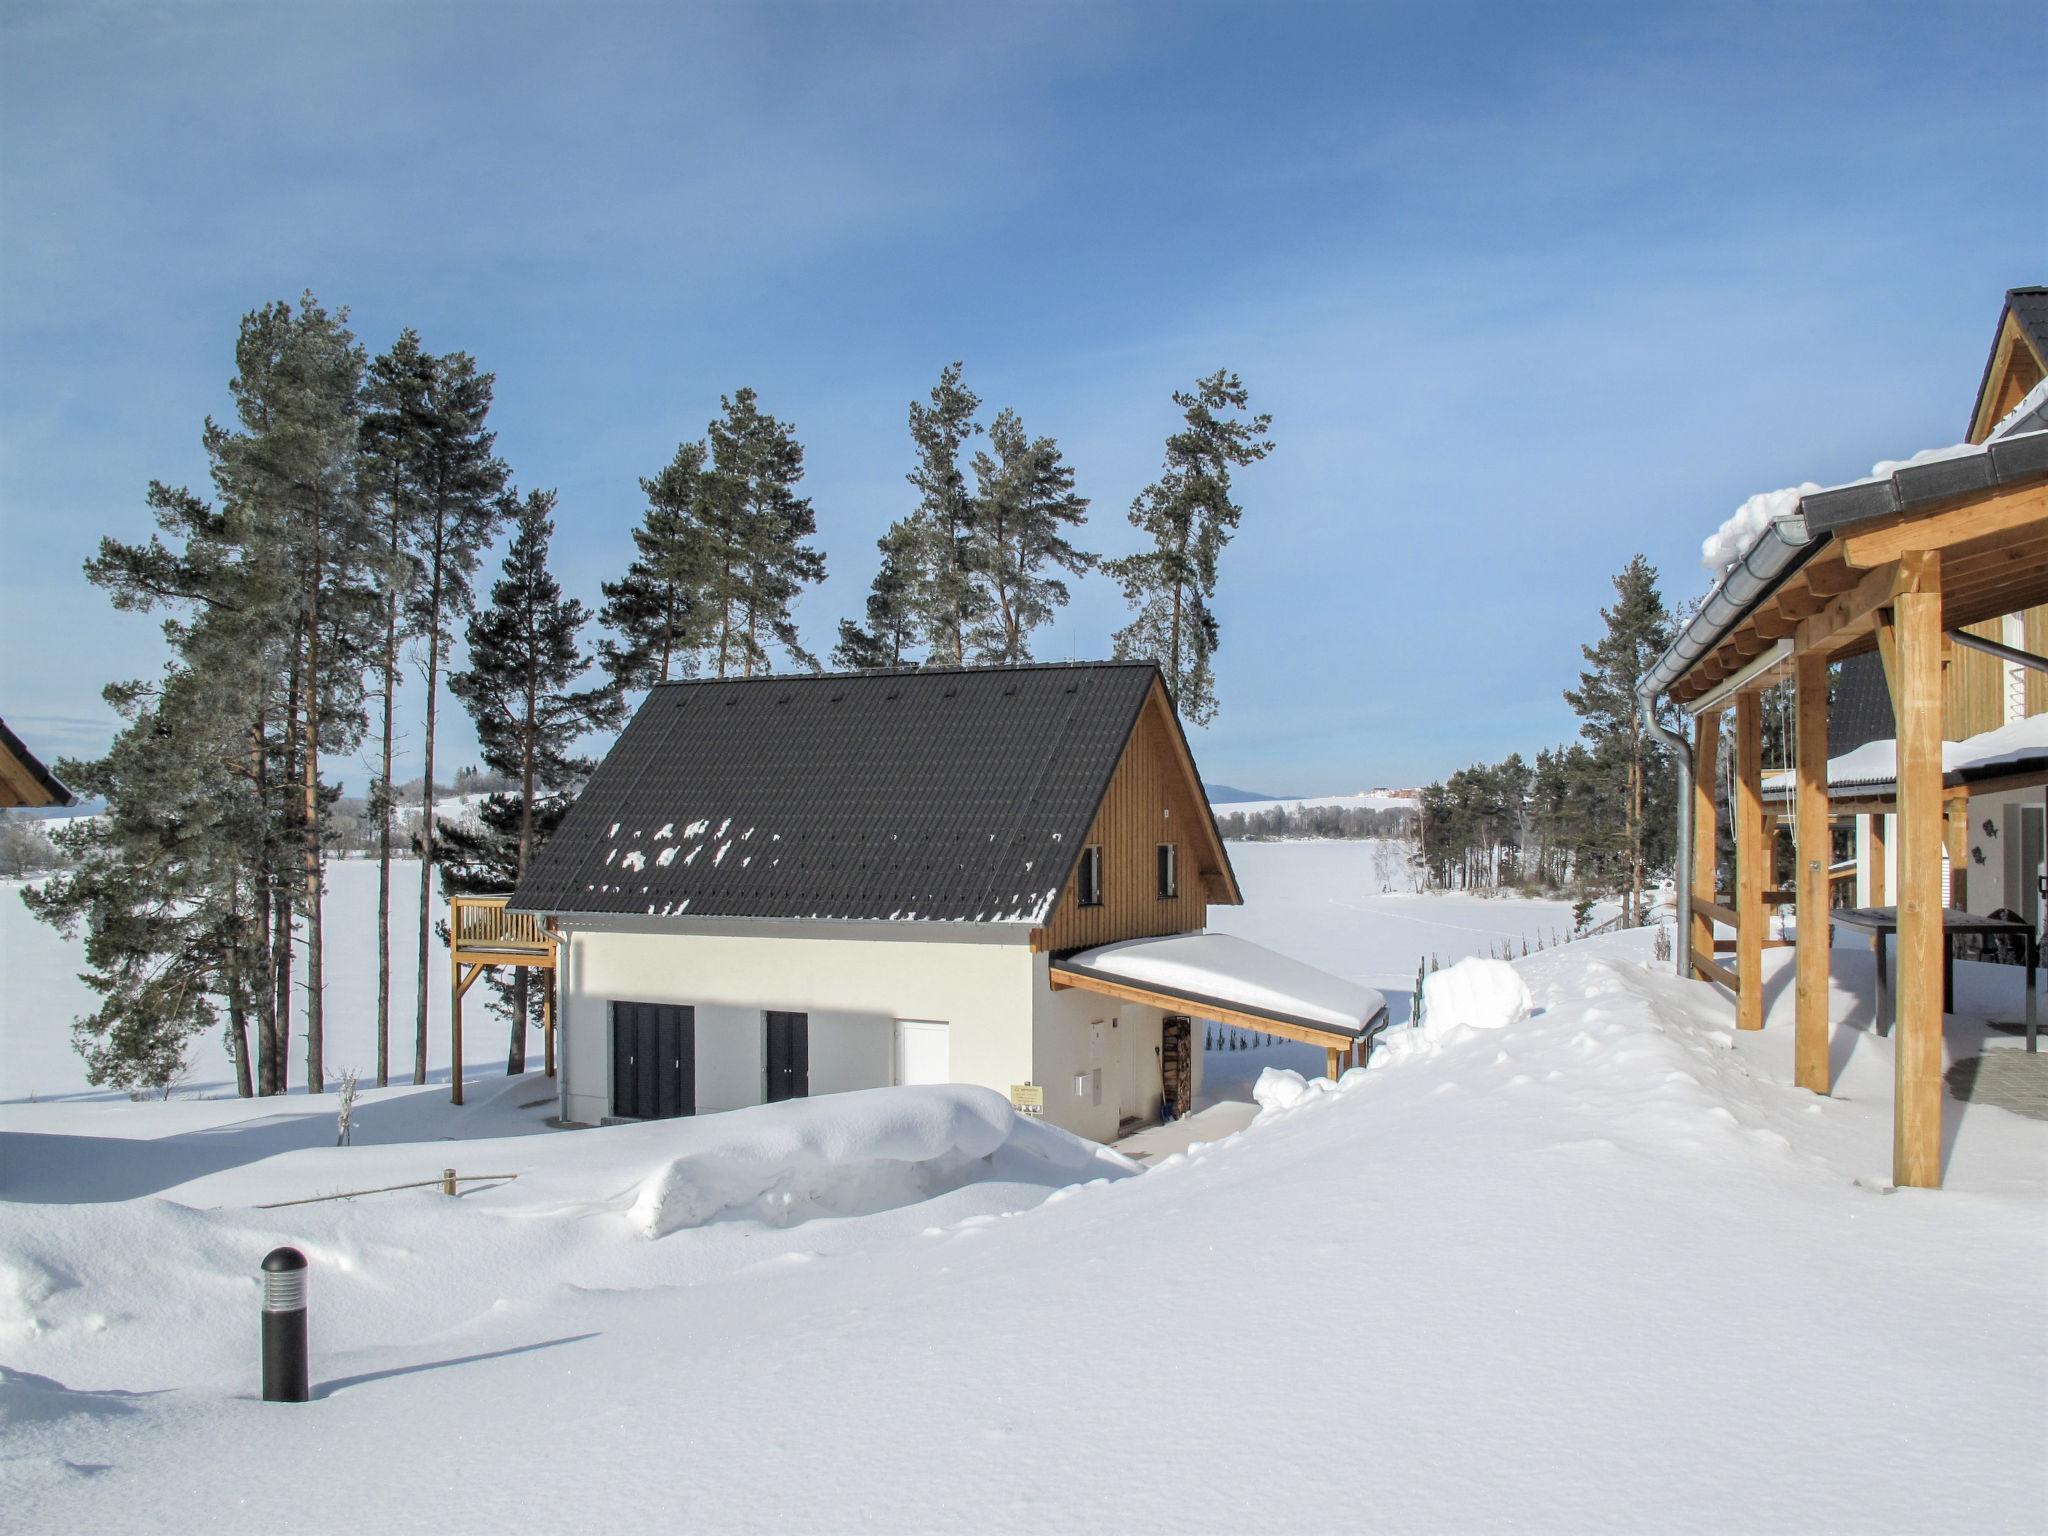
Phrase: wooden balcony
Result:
[482,932]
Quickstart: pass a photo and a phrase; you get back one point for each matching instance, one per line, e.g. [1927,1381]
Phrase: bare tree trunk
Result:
[384,845]
[316,1012]
[281,911]
[515,1055]
[238,1038]
[426,934]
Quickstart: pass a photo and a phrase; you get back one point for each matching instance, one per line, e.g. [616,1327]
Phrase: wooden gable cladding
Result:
[2014,369]
[1154,797]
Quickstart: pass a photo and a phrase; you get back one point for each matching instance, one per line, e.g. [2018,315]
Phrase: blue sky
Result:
[1526,289]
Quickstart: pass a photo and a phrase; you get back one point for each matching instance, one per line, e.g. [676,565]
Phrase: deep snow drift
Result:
[1600,1269]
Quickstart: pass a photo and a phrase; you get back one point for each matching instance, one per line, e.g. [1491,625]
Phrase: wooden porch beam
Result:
[1751,851]
[1815,852]
[2000,514]
[1917,1037]
[1131,993]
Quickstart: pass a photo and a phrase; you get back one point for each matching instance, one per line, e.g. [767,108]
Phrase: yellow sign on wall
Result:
[1027,1099]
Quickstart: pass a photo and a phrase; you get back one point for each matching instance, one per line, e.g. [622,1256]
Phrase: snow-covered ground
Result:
[1599,1270]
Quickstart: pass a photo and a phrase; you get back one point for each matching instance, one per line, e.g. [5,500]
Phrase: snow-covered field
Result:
[1601,1270]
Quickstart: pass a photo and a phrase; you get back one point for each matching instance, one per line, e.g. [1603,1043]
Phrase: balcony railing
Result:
[479,926]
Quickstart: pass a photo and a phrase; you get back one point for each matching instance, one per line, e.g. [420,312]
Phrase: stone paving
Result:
[2014,1080]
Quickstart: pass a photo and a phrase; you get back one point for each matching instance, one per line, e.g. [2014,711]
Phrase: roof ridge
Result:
[994,669]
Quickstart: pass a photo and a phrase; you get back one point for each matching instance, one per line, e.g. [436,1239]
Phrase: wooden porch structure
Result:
[482,933]
[1897,580]
[1342,1048]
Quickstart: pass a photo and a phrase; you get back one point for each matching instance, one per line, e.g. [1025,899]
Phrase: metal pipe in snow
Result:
[285,1376]
[1646,702]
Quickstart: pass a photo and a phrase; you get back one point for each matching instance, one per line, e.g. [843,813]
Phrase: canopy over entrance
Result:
[1234,981]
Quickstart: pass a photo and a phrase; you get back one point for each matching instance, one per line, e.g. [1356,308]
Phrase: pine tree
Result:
[656,607]
[892,618]
[456,486]
[1189,516]
[212,843]
[1023,505]
[756,558]
[395,382]
[525,659]
[298,393]
[948,598]
[1638,631]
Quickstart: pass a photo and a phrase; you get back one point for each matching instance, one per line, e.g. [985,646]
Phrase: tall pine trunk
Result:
[316,1012]
[384,846]
[426,935]
[515,1055]
[281,910]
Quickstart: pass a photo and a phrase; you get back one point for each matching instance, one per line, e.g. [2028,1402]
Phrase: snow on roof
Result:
[1234,971]
[1877,762]
[1735,537]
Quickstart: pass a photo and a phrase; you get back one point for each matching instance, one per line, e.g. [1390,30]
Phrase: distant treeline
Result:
[1336,821]
[1593,817]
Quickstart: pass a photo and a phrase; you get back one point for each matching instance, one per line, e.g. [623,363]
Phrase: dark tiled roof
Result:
[956,795]
[2030,309]
[1861,710]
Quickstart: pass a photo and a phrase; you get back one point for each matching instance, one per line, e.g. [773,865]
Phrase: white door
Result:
[923,1052]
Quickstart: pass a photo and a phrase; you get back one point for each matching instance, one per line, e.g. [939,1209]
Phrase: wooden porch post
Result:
[1751,854]
[1336,1062]
[547,1019]
[1917,1039]
[1955,838]
[1815,853]
[1706,737]
[455,991]
[1877,859]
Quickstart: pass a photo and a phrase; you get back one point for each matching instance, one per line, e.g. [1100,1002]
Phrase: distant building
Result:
[794,885]
[25,784]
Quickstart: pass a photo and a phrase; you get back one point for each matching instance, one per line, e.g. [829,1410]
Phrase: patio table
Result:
[1882,922]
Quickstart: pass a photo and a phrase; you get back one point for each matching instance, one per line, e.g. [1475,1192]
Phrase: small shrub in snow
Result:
[345,1115]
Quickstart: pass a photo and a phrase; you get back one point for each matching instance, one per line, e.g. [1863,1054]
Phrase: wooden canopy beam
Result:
[1332,1040]
[1999,514]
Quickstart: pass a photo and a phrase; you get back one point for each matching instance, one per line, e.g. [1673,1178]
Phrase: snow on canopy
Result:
[1738,535]
[1238,973]
[1877,762]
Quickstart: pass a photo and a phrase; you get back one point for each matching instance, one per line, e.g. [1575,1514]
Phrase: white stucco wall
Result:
[1005,1023]
[1076,1033]
[1998,872]
[853,983]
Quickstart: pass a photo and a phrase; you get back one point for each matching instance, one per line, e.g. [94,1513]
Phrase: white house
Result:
[796,885]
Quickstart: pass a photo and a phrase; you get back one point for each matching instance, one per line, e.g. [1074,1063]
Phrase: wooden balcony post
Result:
[1751,854]
[1706,736]
[1917,1038]
[1815,853]
[1878,881]
[455,991]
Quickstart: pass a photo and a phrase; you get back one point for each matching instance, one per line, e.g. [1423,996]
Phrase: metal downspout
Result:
[1646,703]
